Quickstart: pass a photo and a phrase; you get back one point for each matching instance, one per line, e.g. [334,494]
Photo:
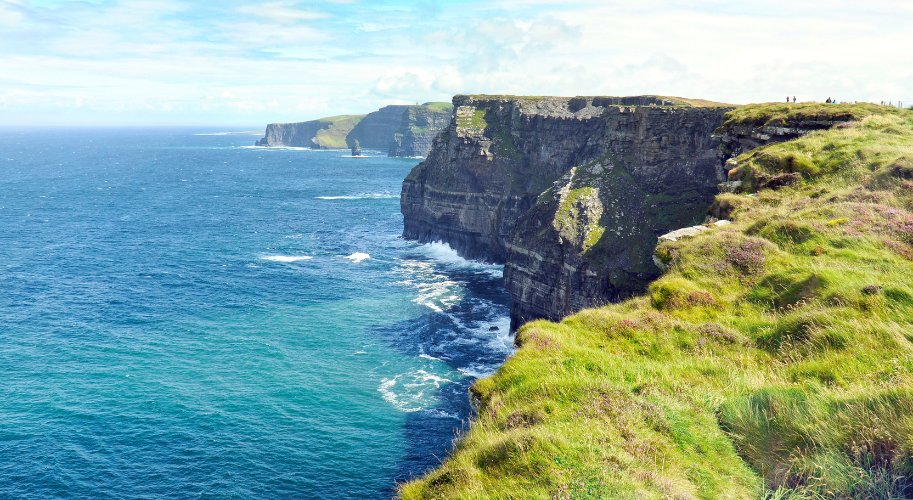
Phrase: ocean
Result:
[184,315]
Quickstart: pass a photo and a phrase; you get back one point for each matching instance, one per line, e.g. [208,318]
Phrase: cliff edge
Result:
[325,133]
[399,130]
[772,359]
[570,193]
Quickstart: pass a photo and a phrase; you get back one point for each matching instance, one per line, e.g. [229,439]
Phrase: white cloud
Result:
[280,12]
[171,61]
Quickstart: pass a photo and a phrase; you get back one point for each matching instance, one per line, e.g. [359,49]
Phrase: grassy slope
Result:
[334,136]
[438,107]
[773,358]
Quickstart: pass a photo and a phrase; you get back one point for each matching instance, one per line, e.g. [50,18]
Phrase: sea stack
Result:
[356,148]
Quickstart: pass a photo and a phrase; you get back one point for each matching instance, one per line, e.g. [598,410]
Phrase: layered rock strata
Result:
[569,193]
[400,130]
[375,130]
[324,133]
[418,128]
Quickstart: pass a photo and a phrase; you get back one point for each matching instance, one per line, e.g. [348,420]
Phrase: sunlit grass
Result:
[774,357]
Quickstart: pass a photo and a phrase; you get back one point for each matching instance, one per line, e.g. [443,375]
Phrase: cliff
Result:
[401,130]
[325,133]
[418,127]
[772,359]
[570,193]
[376,129]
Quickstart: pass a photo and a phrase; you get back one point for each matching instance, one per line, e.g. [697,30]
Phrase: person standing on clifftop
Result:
[828,101]
[794,99]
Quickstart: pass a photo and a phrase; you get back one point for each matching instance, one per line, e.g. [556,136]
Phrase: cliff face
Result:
[644,165]
[418,128]
[376,130]
[300,135]
[399,129]
[788,324]
[324,133]
[590,238]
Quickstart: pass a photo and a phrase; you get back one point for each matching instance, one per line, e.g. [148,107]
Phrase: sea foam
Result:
[358,257]
[412,391]
[361,196]
[443,253]
[286,258]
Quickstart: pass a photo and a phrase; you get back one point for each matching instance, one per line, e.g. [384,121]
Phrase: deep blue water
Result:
[183,316]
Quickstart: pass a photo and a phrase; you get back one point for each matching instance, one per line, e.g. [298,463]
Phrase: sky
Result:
[247,63]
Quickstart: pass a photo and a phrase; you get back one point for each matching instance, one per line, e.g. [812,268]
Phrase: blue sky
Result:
[249,63]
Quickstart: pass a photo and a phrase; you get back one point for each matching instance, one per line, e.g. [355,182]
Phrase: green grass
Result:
[577,217]
[334,135]
[695,103]
[475,121]
[772,360]
[438,107]
[784,114]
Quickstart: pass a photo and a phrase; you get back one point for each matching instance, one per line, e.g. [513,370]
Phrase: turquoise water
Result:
[182,315]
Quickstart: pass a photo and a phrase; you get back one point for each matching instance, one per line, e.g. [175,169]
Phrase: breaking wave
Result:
[361,196]
[412,391]
[286,258]
[358,257]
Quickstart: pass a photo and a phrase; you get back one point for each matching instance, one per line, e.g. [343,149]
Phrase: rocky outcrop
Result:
[570,193]
[375,130]
[418,128]
[738,137]
[684,234]
[325,133]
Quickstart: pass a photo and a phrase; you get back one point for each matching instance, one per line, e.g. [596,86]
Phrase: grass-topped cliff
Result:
[773,358]
[333,136]
[644,100]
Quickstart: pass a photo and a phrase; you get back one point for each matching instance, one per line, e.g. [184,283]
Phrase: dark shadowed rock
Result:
[570,193]
[376,130]
[418,128]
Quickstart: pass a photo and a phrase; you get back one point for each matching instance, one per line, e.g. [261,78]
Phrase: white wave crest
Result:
[412,391]
[443,414]
[282,148]
[435,291]
[245,132]
[362,196]
[478,370]
[445,254]
[358,257]
[286,258]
